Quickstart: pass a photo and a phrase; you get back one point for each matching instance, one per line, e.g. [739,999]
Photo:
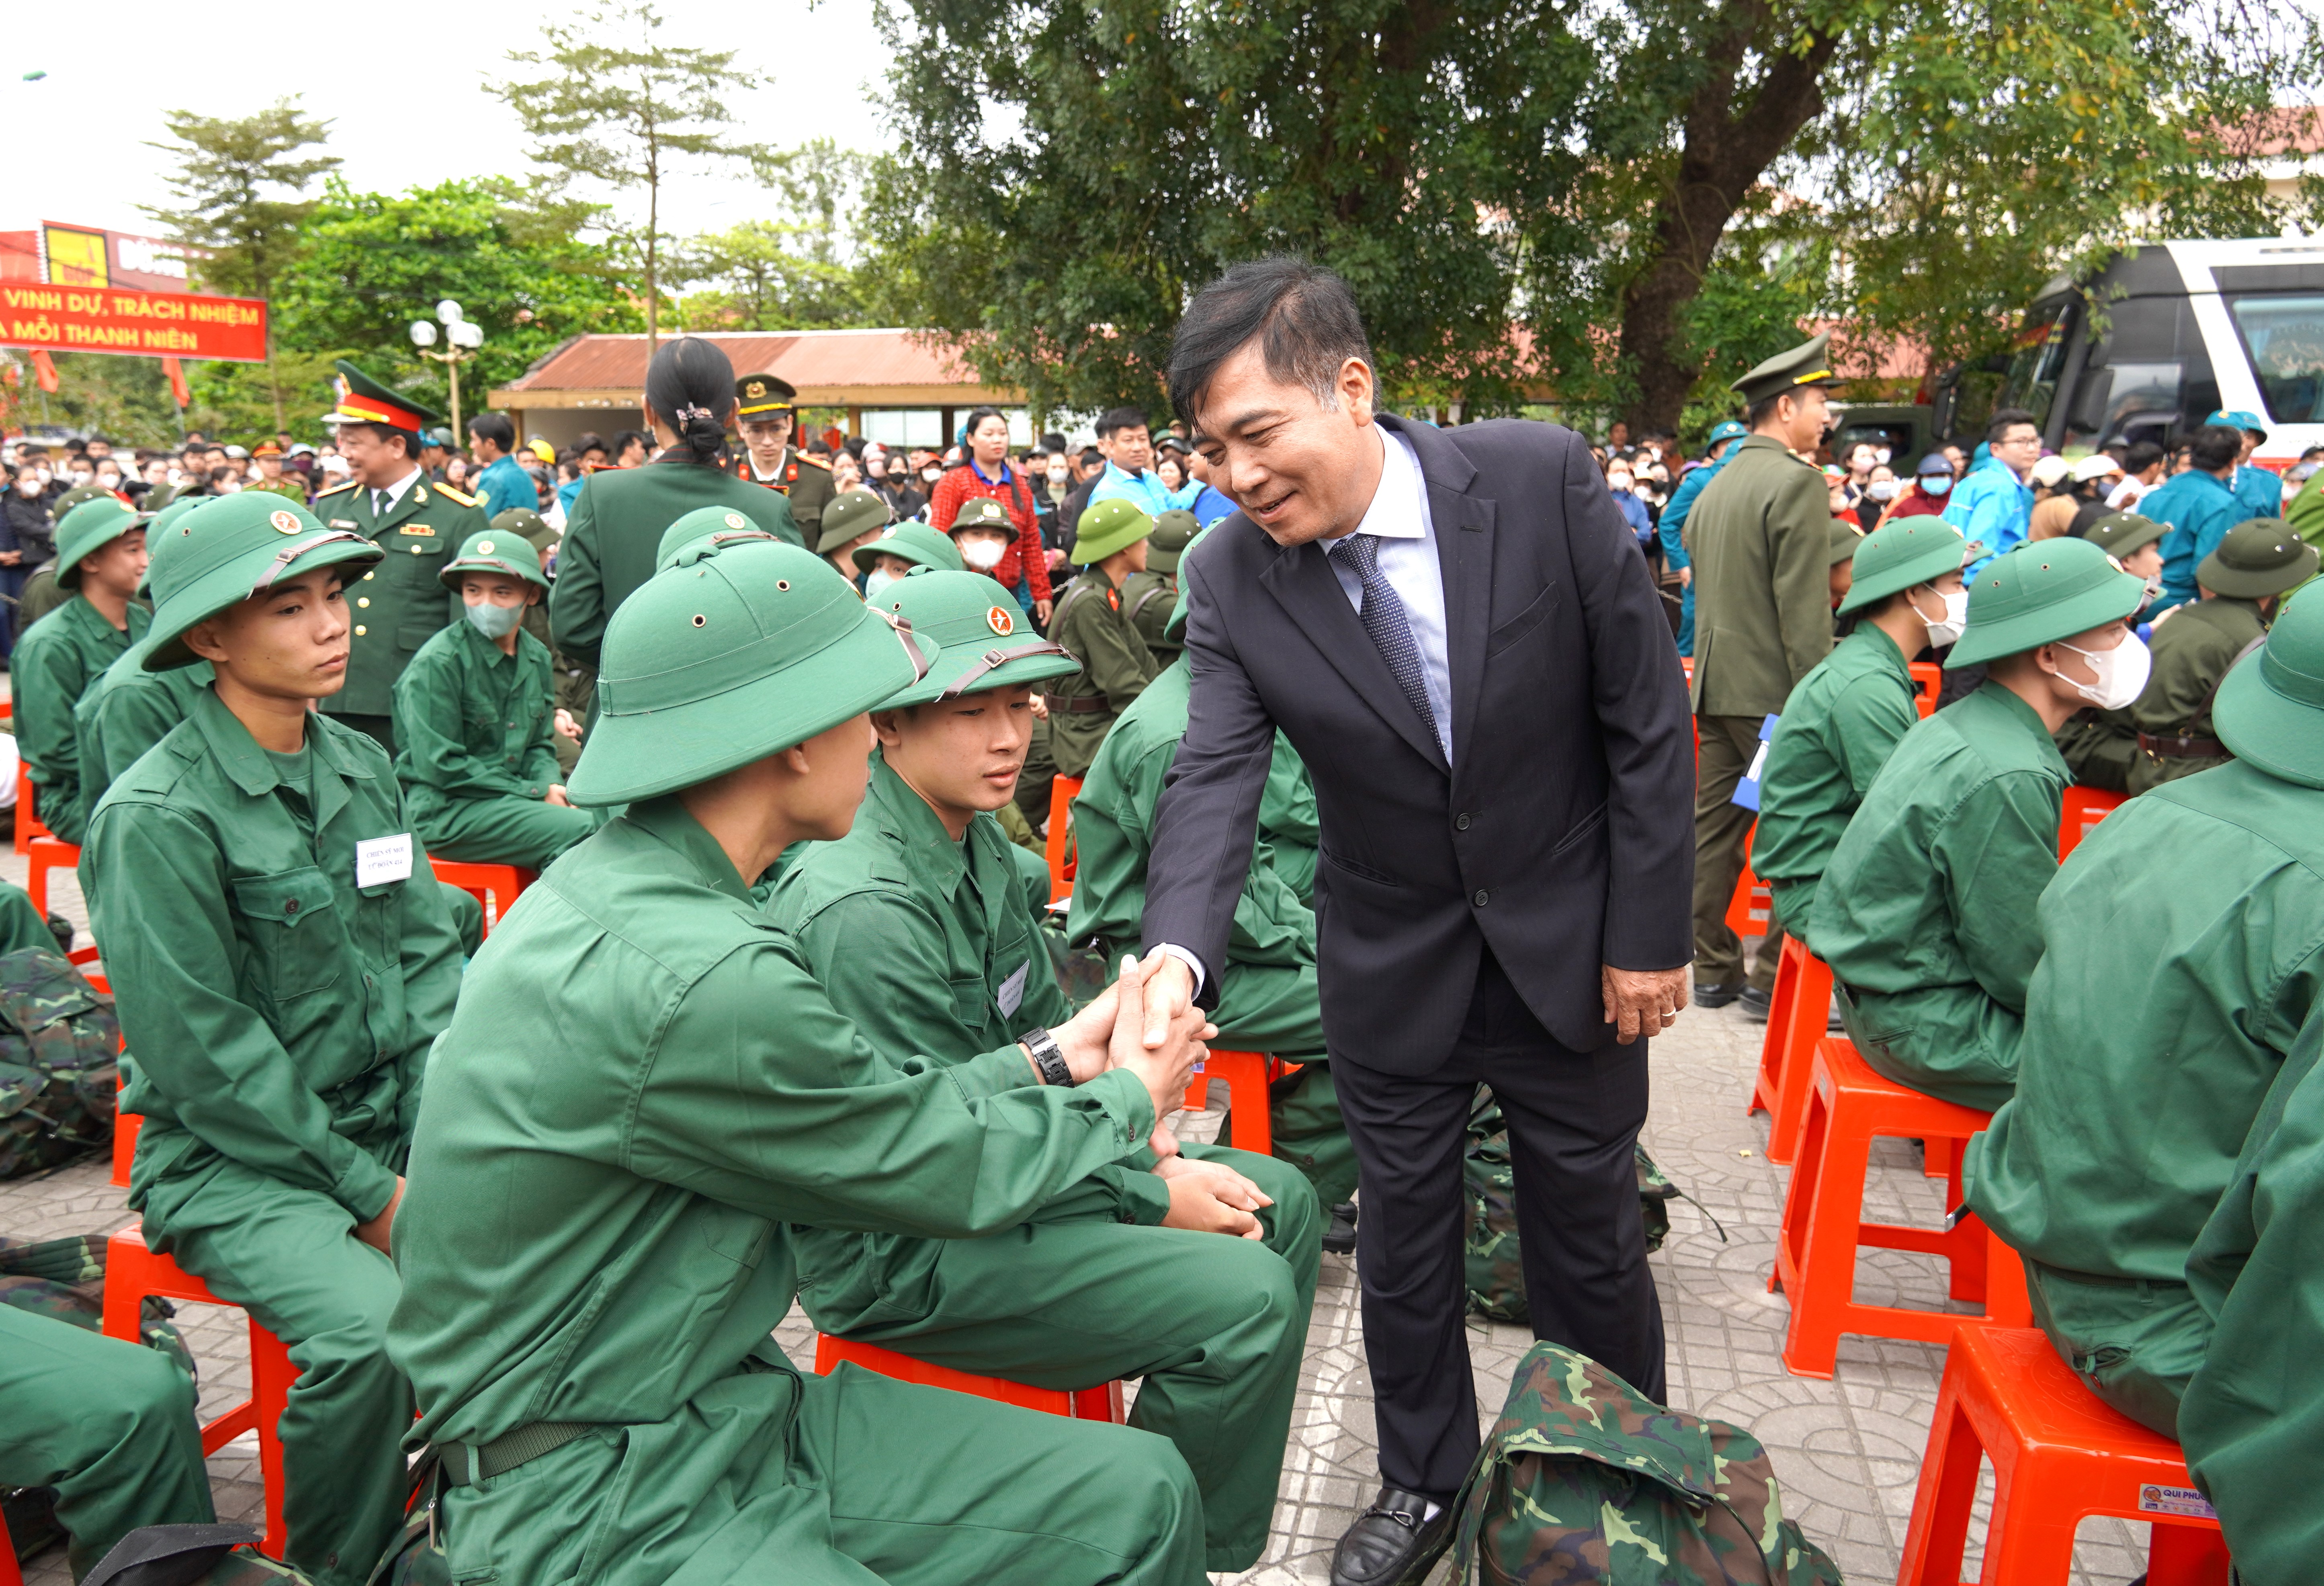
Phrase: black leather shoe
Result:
[1390,1544]
[1758,1004]
[1339,1238]
[1716,996]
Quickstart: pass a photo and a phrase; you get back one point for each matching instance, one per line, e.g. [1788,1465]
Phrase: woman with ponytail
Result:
[616,522]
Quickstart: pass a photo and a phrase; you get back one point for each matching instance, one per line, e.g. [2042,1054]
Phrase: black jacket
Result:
[30,526]
[1563,836]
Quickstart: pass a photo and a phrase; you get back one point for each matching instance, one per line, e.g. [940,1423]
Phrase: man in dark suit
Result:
[1457,633]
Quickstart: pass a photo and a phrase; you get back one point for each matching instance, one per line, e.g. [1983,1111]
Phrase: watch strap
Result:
[1048,1057]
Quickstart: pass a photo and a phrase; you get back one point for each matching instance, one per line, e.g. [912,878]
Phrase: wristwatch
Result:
[1047,1057]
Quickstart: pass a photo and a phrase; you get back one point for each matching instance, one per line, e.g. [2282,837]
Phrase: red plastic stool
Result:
[46,854]
[27,823]
[2059,1456]
[1751,911]
[2083,809]
[132,1272]
[1928,682]
[1102,1403]
[10,1575]
[495,886]
[1798,1018]
[1058,845]
[1246,1074]
[1847,1107]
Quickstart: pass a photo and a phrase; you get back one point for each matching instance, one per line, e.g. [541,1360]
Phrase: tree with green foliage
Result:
[239,197]
[621,113]
[796,271]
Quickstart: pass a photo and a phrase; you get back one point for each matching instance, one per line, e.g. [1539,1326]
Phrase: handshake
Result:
[1115,1031]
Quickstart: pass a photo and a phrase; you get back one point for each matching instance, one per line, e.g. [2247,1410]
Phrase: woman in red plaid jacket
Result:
[1023,568]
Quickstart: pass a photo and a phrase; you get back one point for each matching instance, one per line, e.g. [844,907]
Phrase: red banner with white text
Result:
[147,323]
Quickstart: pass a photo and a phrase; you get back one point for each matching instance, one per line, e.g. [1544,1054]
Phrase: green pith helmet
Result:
[849,516]
[1725,430]
[2042,591]
[78,493]
[1111,525]
[158,535]
[985,641]
[239,546]
[724,525]
[1808,363]
[983,513]
[494,551]
[1174,531]
[1903,553]
[528,525]
[2261,557]
[2120,534]
[1175,627]
[1842,540]
[98,522]
[915,542]
[2269,707]
[725,657]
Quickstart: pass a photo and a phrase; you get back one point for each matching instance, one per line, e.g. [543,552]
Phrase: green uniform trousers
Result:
[467,918]
[2135,1343]
[1033,781]
[527,832]
[1275,1008]
[21,925]
[1720,826]
[1954,1043]
[1216,1326]
[289,1258]
[109,1424]
[874,1482]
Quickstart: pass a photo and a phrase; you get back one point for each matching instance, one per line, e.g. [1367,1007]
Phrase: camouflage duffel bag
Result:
[1582,1482]
[60,1063]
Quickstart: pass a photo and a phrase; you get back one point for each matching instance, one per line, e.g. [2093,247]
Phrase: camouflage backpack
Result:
[59,1051]
[1582,1482]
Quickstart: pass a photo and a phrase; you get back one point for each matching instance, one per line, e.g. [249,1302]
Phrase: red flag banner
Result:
[112,320]
[175,373]
[44,373]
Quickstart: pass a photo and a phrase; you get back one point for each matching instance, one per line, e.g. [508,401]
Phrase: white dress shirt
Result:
[1399,519]
[383,500]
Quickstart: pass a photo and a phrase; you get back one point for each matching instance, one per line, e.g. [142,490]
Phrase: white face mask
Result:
[81,476]
[1880,454]
[982,554]
[1059,474]
[1881,489]
[28,484]
[932,475]
[1947,629]
[2121,673]
[880,579]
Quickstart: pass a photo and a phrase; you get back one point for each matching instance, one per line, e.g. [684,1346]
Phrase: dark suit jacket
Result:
[1565,837]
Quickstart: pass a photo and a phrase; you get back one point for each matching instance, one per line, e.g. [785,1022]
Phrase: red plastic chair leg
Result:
[1101,1403]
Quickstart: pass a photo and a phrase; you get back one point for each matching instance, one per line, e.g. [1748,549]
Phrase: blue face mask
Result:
[496,621]
[1936,484]
[879,579]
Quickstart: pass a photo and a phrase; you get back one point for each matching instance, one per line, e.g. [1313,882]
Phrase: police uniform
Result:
[283,485]
[1926,911]
[1090,622]
[805,481]
[925,944]
[2100,746]
[1149,597]
[477,733]
[1761,537]
[61,657]
[401,605]
[650,1088]
[280,967]
[1843,720]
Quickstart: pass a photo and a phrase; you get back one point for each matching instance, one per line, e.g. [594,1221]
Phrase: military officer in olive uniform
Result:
[650,1089]
[1151,593]
[1761,532]
[1092,622]
[913,924]
[401,604]
[100,559]
[766,412]
[2157,1020]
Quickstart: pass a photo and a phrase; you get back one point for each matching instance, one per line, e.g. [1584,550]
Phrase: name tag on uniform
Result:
[342,523]
[1012,992]
[384,859]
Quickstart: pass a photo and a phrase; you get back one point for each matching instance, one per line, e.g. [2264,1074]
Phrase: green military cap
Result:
[527,525]
[2269,707]
[2258,557]
[1843,538]
[494,551]
[850,514]
[763,396]
[158,535]
[732,653]
[983,512]
[913,541]
[79,494]
[2041,592]
[90,525]
[1902,554]
[1174,531]
[984,639]
[722,525]
[1808,363]
[2120,534]
[1111,525]
[1175,627]
[241,545]
[365,401]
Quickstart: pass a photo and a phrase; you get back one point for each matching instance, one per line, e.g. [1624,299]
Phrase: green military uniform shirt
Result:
[1926,911]
[40,596]
[1092,624]
[615,527]
[2192,653]
[1286,818]
[126,712]
[401,605]
[1837,730]
[55,663]
[287,488]
[1147,597]
[2099,747]
[1760,536]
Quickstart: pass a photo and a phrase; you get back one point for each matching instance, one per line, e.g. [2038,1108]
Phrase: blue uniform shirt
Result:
[2261,491]
[2200,510]
[504,485]
[1142,490]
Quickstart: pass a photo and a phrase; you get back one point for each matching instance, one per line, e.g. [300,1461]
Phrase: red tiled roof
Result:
[811,360]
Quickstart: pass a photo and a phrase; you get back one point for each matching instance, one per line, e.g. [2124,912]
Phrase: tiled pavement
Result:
[1847,1450]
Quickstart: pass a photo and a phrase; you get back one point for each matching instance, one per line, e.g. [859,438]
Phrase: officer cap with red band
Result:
[365,401]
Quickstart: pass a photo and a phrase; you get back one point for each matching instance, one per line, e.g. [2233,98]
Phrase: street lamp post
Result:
[462,337]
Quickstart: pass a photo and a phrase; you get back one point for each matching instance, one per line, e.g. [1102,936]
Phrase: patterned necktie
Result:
[379,503]
[1384,619]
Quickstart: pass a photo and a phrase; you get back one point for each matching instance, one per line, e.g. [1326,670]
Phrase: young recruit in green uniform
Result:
[570,678]
[128,709]
[2157,1020]
[1926,909]
[914,923]
[475,721]
[649,1087]
[1092,624]
[1845,718]
[2100,746]
[281,970]
[100,557]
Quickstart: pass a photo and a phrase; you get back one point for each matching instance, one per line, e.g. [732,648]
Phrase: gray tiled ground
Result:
[1847,1450]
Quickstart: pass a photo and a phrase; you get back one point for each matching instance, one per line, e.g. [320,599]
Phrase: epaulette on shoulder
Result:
[451,495]
[812,461]
[334,490]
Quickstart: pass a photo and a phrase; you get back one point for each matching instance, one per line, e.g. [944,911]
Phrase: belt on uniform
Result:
[2185,746]
[464,1463]
[1058,701]
[2105,1279]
